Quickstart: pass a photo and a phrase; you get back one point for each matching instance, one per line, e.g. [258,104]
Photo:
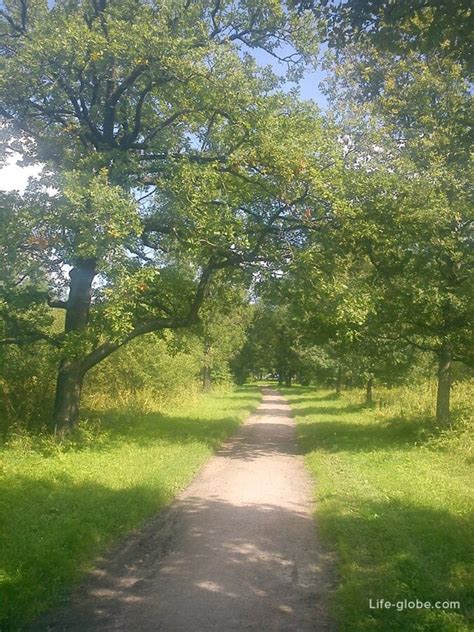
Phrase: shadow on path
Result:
[136,588]
[236,551]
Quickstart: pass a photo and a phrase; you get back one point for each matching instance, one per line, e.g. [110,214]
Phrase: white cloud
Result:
[13,177]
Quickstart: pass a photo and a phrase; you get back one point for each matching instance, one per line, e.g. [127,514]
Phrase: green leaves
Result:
[407,180]
[400,27]
[99,216]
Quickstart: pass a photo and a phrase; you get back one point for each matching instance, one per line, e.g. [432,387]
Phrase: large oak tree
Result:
[167,155]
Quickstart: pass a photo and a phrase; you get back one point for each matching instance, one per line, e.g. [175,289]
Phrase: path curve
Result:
[237,550]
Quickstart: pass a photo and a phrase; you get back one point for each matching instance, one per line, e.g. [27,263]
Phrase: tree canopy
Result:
[178,174]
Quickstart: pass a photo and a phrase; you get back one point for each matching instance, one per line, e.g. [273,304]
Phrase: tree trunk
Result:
[68,396]
[369,399]
[70,373]
[444,386]
[338,380]
[206,369]
[206,378]
[280,377]
[288,379]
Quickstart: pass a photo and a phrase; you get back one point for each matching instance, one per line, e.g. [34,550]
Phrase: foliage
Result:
[26,386]
[157,177]
[224,322]
[406,120]
[271,346]
[401,27]
[408,181]
[23,284]
[158,369]
[155,369]
[195,218]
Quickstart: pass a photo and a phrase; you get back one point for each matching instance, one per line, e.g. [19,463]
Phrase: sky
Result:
[309,84]
[15,178]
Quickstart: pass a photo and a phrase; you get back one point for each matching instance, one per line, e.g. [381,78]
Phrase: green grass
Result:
[395,504]
[61,505]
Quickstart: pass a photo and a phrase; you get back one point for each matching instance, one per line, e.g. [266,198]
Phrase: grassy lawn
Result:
[395,503]
[60,506]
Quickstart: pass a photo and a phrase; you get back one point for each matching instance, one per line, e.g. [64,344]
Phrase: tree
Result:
[422,257]
[168,153]
[332,291]
[280,341]
[402,27]
[256,358]
[271,345]
[408,181]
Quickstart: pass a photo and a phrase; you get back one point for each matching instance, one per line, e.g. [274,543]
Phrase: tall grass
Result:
[417,400]
[151,370]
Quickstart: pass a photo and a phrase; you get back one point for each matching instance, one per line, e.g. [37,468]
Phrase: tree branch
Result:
[18,29]
[157,324]
[32,337]
[56,303]
[115,95]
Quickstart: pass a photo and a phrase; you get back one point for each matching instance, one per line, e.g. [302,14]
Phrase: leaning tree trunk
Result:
[71,373]
[444,386]
[369,397]
[68,396]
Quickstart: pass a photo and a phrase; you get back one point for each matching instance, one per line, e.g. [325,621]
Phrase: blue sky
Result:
[308,86]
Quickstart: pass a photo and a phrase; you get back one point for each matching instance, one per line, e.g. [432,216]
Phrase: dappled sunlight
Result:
[237,574]
[260,440]
[64,503]
[274,410]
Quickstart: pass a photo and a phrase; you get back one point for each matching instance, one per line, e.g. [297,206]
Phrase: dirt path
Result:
[236,551]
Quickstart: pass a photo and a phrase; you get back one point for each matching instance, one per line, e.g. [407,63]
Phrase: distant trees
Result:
[274,345]
[332,300]
[223,327]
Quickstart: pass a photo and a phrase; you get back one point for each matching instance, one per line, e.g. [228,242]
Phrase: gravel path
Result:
[236,551]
